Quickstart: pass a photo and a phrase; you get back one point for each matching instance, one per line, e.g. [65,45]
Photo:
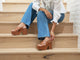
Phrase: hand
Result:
[52,35]
[47,13]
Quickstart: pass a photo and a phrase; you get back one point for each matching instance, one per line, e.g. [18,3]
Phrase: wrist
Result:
[51,31]
[39,9]
[42,9]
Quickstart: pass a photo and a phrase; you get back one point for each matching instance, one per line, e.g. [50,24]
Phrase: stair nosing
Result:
[35,51]
[13,22]
[19,12]
[35,35]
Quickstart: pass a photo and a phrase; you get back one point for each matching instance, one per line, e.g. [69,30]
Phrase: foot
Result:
[21,25]
[20,28]
[45,44]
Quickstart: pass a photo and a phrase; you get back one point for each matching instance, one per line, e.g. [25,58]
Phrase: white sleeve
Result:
[36,5]
[56,11]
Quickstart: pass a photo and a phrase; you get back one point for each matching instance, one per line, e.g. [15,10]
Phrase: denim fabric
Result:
[42,21]
[61,18]
[29,16]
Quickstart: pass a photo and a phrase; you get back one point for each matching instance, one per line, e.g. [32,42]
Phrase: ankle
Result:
[22,25]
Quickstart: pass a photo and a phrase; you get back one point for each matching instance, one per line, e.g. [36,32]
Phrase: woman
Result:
[48,11]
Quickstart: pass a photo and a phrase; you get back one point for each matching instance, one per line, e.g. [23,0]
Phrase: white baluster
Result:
[1,5]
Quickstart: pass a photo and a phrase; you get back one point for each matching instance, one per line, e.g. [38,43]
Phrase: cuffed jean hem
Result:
[42,38]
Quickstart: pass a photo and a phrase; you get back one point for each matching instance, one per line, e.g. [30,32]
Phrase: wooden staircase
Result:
[23,47]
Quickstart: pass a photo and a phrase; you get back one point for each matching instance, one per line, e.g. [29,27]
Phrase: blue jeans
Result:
[42,21]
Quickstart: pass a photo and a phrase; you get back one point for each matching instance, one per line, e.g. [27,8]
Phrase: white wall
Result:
[3,0]
[75,17]
[74,7]
[1,5]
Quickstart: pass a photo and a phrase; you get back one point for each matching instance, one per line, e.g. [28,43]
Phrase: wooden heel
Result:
[50,45]
[45,44]
[16,32]
[24,31]
[19,31]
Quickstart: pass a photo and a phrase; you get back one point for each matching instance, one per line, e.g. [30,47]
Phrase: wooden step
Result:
[17,16]
[21,1]
[30,41]
[65,27]
[17,6]
[34,54]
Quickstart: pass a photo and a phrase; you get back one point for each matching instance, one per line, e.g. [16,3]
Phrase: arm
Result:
[56,16]
[47,13]
[57,9]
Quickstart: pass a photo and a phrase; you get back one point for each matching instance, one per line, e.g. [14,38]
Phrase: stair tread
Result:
[35,51]
[19,11]
[35,35]
[24,2]
[18,2]
[14,22]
